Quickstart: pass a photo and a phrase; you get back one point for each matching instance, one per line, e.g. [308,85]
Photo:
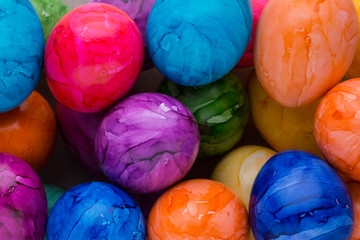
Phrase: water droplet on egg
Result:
[272,83]
[11,189]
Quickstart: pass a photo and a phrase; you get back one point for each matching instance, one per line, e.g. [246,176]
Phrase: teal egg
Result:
[53,193]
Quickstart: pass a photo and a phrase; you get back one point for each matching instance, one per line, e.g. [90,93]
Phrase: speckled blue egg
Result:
[22,46]
[95,210]
[195,42]
[297,195]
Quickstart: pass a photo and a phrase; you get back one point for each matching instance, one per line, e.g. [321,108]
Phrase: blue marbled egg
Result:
[22,47]
[195,42]
[297,195]
[95,210]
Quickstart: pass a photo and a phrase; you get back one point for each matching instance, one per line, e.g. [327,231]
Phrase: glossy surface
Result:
[147,142]
[353,71]
[198,210]
[21,59]
[29,131]
[247,58]
[23,206]
[95,210]
[139,11]
[53,193]
[301,50]
[200,41]
[91,63]
[221,110]
[238,169]
[49,12]
[337,127]
[297,195]
[282,127]
[78,132]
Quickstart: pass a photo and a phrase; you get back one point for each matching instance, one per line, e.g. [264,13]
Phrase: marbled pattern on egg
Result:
[297,195]
[147,142]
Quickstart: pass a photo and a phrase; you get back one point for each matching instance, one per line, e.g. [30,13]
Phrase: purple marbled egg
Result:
[139,11]
[23,204]
[147,142]
[79,131]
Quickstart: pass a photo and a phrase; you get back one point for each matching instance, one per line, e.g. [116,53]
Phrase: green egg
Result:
[53,193]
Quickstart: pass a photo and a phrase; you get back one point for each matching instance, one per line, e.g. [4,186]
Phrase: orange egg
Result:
[29,131]
[198,209]
[354,189]
[337,127]
[303,48]
[354,70]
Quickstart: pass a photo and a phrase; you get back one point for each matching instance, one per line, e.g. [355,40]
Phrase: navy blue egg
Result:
[195,42]
[22,45]
[95,210]
[297,195]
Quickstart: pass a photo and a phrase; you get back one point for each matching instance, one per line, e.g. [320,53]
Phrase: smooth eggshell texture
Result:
[22,57]
[78,132]
[238,169]
[96,210]
[198,41]
[297,195]
[147,142]
[198,209]
[354,71]
[23,205]
[247,59]
[282,127]
[337,127]
[29,131]
[303,48]
[354,189]
[93,57]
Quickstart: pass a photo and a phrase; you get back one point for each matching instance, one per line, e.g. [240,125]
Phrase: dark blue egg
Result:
[297,195]
[95,210]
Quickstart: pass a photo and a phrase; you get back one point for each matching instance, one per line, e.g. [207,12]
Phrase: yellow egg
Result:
[354,70]
[282,127]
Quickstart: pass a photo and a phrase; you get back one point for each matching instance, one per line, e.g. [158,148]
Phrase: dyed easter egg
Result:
[282,127]
[247,59]
[238,169]
[21,57]
[95,210]
[139,11]
[79,131]
[49,12]
[354,189]
[297,195]
[221,110]
[337,127]
[93,56]
[53,193]
[303,48]
[23,206]
[353,71]
[147,142]
[200,41]
[29,131]
[198,209]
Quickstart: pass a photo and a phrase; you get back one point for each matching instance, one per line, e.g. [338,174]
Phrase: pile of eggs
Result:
[183,160]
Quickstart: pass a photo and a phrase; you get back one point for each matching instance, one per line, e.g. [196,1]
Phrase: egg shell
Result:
[303,48]
[53,193]
[353,71]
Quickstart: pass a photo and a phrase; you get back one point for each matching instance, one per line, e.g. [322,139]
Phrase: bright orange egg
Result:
[354,70]
[303,48]
[29,131]
[337,127]
[198,209]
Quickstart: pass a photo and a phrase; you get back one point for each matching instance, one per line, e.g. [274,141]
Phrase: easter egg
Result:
[21,57]
[147,142]
[78,132]
[29,131]
[238,169]
[23,206]
[282,127]
[297,195]
[95,210]
[139,11]
[200,41]
[247,59]
[53,193]
[198,209]
[353,71]
[93,56]
[354,189]
[49,12]
[337,127]
[221,110]
[303,48]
